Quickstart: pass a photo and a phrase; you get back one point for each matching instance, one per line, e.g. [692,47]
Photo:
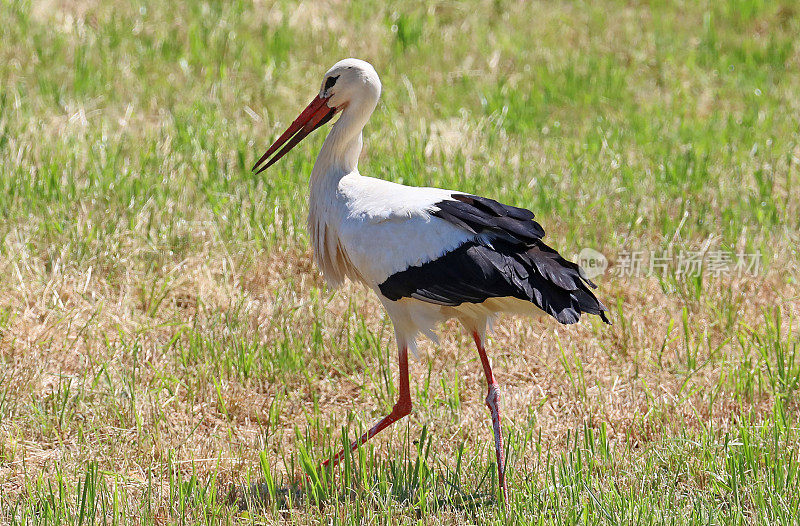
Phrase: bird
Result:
[429,254]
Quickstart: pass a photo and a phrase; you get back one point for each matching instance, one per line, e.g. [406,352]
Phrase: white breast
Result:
[375,228]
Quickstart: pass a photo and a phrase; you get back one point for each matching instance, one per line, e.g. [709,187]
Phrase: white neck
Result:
[342,147]
[338,157]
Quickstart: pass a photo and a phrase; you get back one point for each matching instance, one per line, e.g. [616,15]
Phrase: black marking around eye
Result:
[330,82]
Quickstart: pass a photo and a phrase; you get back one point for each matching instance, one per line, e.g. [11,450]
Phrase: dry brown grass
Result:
[74,327]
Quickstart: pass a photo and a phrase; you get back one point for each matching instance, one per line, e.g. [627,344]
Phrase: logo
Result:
[592,262]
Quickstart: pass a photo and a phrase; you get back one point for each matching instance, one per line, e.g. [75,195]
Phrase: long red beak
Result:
[315,115]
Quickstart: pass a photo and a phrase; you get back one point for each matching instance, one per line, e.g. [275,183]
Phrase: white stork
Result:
[429,254]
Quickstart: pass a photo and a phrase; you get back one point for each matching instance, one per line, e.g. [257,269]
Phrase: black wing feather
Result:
[508,259]
[484,215]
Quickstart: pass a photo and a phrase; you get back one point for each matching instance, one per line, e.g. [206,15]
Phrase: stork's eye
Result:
[330,82]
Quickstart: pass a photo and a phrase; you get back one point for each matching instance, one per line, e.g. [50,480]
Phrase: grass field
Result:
[170,354]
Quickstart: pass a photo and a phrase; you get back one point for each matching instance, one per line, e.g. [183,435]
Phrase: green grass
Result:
[165,341]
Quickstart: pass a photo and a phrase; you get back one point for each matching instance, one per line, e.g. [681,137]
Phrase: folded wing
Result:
[505,258]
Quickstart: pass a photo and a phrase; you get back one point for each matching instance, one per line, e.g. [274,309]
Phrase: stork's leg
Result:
[493,403]
[400,409]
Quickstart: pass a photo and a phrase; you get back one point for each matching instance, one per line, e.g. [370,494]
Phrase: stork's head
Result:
[350,83]
[351,80]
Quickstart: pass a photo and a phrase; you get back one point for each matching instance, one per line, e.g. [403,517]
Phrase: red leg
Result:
[400,409]
[493,403]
